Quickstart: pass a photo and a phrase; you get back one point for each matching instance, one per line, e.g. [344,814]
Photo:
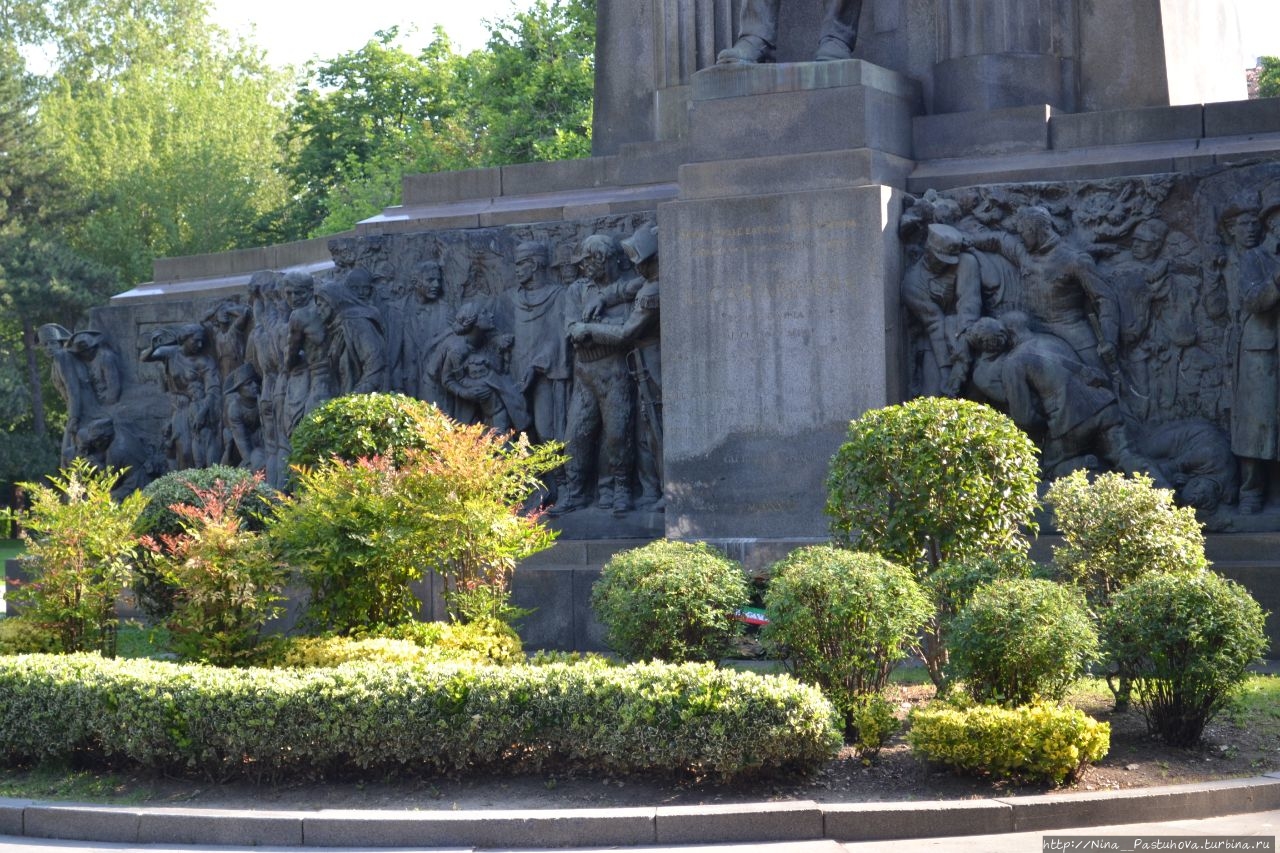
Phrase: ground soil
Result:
[1135,761]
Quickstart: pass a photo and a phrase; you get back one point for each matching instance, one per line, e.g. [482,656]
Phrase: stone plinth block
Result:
[1001,80]
[784,310]
[764,110]
[1009,131]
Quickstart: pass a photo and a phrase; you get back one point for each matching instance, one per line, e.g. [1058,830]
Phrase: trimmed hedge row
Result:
[261,723]
[1038,741]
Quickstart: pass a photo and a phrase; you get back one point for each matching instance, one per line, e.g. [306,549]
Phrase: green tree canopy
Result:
[1269,80]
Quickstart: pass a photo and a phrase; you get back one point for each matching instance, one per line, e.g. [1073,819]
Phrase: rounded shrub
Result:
[1185,640]
[672,601]
[933,480]
[1117,528]
[844,619]
[1020,640]
[365,425]
[930,482]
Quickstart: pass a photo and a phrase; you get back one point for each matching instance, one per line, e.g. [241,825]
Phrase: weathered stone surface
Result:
[993,132]
[1125,127]
[781,307]
[791,173]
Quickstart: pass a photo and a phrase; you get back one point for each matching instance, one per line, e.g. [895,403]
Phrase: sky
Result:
[293,31]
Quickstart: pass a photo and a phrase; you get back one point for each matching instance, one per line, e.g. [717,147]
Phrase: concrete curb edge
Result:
[752,822]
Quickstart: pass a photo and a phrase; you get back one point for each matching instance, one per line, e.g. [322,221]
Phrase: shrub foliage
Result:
[80,548]
[1116,529]
[931,482]
[260,723]
[364,425]
[670,601]
[1185,641]
[1020,640]
[844,619]
[1031,742]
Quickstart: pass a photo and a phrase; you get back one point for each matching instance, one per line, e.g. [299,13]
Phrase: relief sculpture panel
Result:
[548,330]
[1128,324]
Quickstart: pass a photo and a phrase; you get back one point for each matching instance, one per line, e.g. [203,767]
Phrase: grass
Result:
[55,781]
[10,548]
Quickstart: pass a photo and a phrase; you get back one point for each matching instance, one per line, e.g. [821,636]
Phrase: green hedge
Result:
[261,723]
[1039,741]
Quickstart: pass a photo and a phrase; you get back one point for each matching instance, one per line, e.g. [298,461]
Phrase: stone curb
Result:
[802,820]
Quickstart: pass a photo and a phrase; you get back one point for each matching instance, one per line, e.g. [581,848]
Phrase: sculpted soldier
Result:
[306,355]
[357,346]
[638,332]
[1048,392]
[601,408]
[758,32]
[429,322]
[1253,284]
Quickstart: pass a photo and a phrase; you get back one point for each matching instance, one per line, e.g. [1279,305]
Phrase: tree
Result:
[1269,80]
[362,120]
[163,126]
[536,83]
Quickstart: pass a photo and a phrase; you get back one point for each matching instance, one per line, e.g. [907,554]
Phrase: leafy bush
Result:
[873,722]
[670,601]
[159,519]
[363,425]
[930,482]
[261,723]
[19,636]
[1116,529]
[477,643]
[1021,640]
[226,585]
[361,533]
[80,545]
[1041,741]
[845,619]
[1186,641]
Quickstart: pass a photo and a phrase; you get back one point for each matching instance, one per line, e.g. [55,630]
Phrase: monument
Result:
[1029,202]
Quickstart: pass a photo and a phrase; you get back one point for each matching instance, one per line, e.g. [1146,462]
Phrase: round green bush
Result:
[671,601]
[176,488]
[1186,641]
[933,480]
[1020,640]
[365,425]
[844,619]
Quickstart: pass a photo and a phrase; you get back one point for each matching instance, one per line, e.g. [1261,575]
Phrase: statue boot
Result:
[832,49]
[748,50]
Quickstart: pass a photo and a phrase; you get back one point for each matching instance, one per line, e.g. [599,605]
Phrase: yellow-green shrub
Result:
[479,643]
[1039,741]
[412,718]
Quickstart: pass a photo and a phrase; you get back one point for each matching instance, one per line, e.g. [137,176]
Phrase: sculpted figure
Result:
[229,323]
[1253,287]
[946,291]
[309,381]
[194,434]
[357,347]
[540,352]
[602,405]
[1195,457]
[264,351]
[473,332]
[497,399]
[758,32]
[101,365]
[429,321]
[639,333]
[1066,405]
[107,445]
[244,422]
[71,381]
[1062,288]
